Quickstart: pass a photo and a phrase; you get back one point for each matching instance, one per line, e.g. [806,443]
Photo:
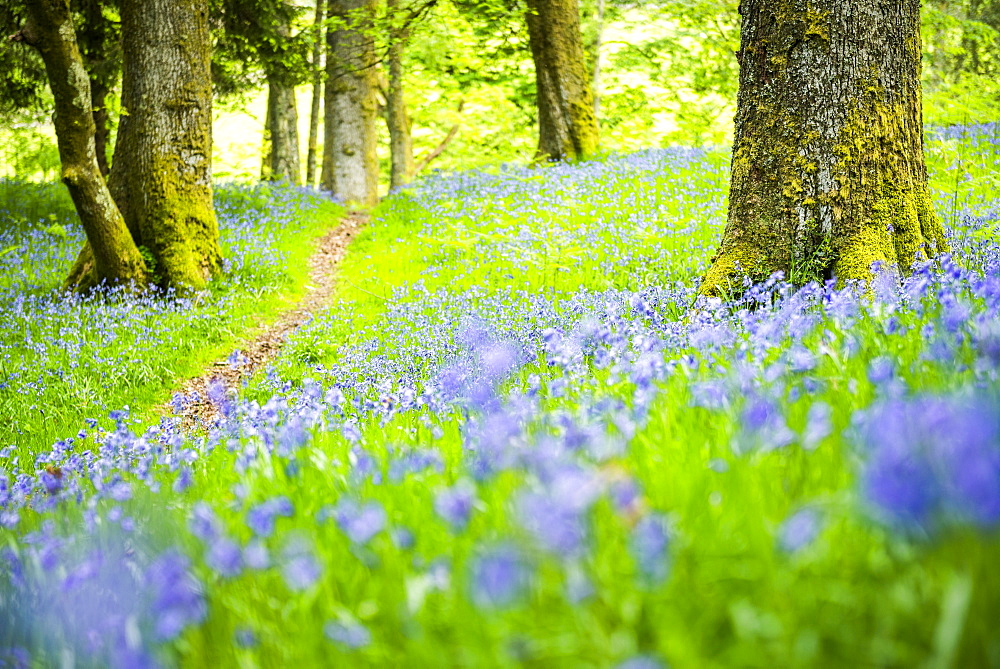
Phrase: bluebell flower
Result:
[350,635]
[799,530]
[650,543]
[299,565]
[177,599]
[359,522]
[455,504]
[499,577]
[224,557]
[261,517]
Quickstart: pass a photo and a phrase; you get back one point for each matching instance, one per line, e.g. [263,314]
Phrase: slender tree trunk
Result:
[598,43]
[397,119]
[97,40]
[265,140]
[284,122]
[567,126]
[350,163]
[317,94]
[161,177]
[98,101]
[113,252]
[283,119]
[828,172]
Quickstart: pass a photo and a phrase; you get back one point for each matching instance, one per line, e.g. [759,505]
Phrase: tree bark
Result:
[96,37]
[567,126]
[397,119]
[350,163]
[598,43]
[317,93]
[161,177]
[283,118]
[828,171]
[98,101]
[114,255]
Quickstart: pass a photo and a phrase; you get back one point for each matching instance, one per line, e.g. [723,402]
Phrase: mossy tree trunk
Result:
[828,171]
[161,177]
[317,94]
[397,118]
[567,125]
[350,163]
[113,256]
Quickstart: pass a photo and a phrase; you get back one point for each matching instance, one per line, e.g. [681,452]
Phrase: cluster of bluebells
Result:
[547,393]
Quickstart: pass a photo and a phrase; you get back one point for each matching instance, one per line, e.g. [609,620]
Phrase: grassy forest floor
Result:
[509,441]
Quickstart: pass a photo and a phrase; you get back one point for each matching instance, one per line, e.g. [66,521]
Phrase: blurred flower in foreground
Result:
[455,504]
[299,566]
[641,662]
[933,461]
[177,596]
[359,522]
[351,635]
[261,518]
[799,530]
[499,577]
[649,547]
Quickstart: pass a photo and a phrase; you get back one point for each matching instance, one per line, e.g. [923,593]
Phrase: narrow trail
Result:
[192,404]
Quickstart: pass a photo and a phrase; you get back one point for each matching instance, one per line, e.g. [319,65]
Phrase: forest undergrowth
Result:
[512,442]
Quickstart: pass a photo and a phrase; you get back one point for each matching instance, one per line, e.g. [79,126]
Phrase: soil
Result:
[259,352]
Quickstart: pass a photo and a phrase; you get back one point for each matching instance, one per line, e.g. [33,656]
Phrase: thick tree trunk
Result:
[114,255]
[161,177]
[350,164]
[317,94]
[284,125]
[397,119]
[828,172]
[567,126]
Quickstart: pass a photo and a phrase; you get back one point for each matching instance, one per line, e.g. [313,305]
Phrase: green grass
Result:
[101,355]
[511,254]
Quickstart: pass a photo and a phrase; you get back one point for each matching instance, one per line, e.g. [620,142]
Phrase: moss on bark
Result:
[828,169]
[113,255]
[567,124]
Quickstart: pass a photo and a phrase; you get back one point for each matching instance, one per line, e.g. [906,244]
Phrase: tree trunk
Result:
[265,141]
[115,257]
[396,118]
[97,40]
[317,92]
[161,177]
[98,102]
[598,43]
[567,126]
[350,164]
[828,172]
[284,121]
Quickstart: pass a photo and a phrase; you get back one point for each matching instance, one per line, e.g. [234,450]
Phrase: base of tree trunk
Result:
[828,173]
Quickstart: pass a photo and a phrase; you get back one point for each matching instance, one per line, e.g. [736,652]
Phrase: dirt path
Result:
[193,405]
